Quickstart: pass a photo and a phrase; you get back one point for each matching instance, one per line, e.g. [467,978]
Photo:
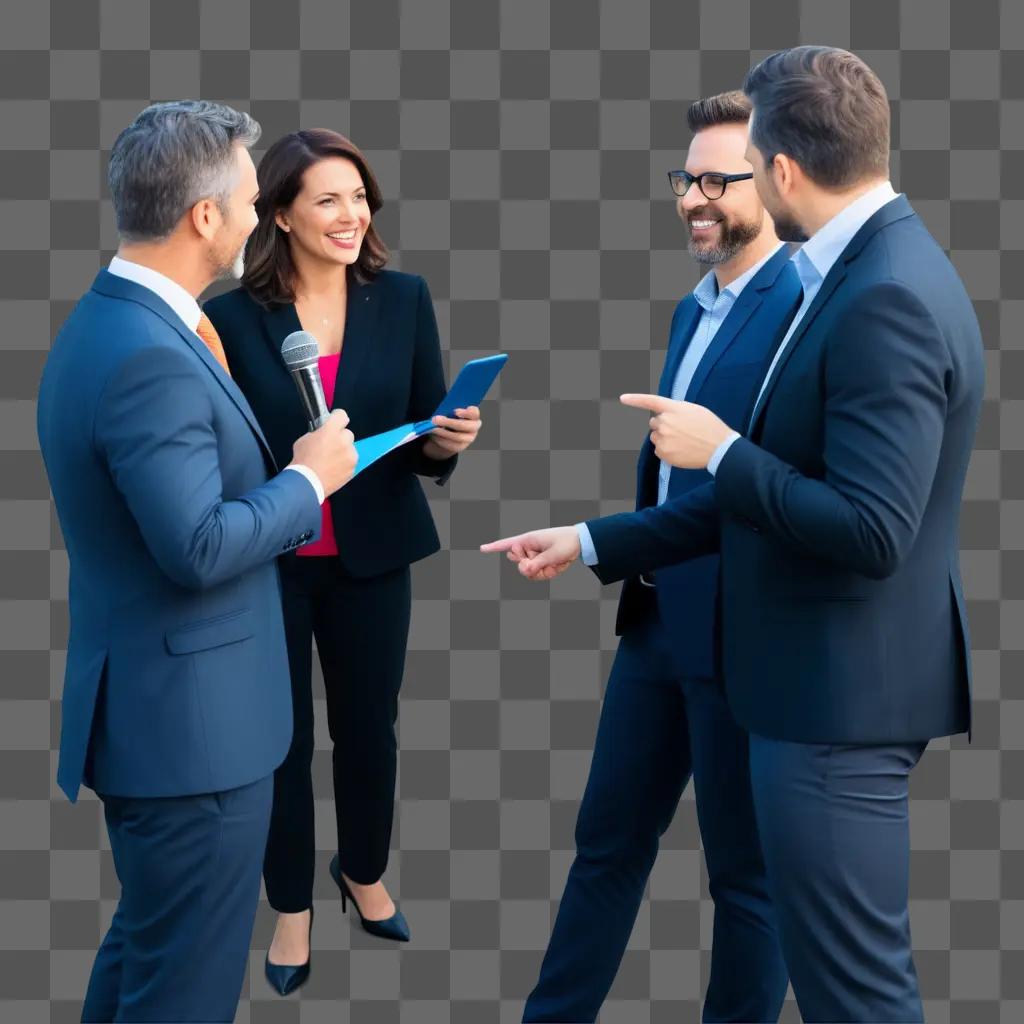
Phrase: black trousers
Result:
[361,628]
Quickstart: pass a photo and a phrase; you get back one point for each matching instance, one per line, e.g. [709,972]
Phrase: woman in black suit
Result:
[315,263]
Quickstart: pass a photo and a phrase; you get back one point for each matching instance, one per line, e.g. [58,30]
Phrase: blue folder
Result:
[470,387]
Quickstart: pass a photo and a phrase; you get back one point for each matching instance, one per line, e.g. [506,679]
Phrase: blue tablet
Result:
[470,387]
[472,384]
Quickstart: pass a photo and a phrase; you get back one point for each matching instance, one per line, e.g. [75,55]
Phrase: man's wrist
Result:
[719,453]
[311,476]
[588,553]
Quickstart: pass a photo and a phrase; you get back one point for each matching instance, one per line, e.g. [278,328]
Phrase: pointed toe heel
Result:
[285,978]
[394,927]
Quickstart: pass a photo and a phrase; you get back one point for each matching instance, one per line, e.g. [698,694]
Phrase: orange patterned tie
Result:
[209,334]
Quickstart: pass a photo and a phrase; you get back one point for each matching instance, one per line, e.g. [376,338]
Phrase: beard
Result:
[231,268]
[788,230]
[238,265]
[733,236]
[786,226]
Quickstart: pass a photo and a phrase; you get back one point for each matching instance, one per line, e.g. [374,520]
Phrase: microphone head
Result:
[299,350]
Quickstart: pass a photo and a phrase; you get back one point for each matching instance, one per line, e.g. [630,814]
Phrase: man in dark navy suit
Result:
[664,716]
[844,637]
[177,703]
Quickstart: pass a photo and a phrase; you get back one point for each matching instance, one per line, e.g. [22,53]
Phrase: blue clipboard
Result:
[470,387]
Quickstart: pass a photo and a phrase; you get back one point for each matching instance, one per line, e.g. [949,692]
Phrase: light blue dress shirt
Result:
[812,263]
[716,305]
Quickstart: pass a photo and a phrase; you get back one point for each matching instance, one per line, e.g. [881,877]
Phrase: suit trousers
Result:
[834,827]
[189,868]
[361,628]
[656,729]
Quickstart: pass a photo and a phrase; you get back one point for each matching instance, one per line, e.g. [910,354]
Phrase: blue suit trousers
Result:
[657,729]
[834,827]
[189,869]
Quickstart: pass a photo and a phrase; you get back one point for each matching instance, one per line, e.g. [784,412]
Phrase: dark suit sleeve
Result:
[887,366]
[154,427]
[428,386]
[635,542]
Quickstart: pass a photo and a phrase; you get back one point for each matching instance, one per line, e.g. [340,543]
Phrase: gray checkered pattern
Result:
[522,148]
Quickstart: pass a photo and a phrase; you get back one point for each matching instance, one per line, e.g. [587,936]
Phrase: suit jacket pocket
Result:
[207,633]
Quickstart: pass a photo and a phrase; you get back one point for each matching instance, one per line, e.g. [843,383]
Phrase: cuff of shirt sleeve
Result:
[321,497]
[587,550]
[720,451]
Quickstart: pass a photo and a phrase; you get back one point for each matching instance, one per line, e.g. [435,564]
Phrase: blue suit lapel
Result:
[897,209]
[828,286]
[121,288]
[684,323]
[751,298]
[740,313]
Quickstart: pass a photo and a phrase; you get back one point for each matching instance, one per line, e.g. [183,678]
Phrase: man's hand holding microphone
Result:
[329,451]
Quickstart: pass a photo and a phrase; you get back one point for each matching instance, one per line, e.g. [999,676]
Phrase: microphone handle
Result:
[311,390]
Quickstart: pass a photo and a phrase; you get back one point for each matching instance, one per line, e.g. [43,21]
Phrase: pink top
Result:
[327,544]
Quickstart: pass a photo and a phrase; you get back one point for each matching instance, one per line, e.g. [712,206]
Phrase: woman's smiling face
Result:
[330,215]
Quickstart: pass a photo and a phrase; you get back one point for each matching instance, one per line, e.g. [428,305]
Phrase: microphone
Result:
[301,355]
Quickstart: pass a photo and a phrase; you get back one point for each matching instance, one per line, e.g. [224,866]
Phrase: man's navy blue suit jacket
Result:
[843,617]
[726,381]
[177,670]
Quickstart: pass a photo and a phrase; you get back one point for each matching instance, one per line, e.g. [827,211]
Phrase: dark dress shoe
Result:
[394,927]
[284,978]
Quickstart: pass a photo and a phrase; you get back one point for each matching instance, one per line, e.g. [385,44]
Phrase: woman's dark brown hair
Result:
[269,270]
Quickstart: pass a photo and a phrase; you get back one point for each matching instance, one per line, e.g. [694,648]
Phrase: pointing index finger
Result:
[655,403]
[499,545]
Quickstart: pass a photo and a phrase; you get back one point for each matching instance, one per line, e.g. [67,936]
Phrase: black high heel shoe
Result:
[394,927]
[285,978]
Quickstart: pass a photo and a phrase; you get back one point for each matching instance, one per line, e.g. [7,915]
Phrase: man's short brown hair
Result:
[725,108]
[824,108]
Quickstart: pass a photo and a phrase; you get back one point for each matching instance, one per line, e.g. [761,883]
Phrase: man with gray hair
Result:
[177,704]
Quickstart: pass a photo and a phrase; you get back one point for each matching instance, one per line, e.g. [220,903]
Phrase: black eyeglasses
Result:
[711,183]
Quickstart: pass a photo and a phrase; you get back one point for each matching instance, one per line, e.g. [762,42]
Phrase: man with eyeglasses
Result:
[845,639]
[665,716]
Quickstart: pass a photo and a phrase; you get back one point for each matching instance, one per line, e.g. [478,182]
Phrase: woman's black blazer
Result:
[390,372]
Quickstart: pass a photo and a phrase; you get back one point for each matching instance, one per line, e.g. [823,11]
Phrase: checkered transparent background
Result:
[521,147]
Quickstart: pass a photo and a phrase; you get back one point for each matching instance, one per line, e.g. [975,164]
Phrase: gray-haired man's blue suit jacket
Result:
[177,674]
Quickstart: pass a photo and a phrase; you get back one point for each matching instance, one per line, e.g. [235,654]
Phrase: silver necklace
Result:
[325,322]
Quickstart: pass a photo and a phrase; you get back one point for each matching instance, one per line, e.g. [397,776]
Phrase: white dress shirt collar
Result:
[170,291]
